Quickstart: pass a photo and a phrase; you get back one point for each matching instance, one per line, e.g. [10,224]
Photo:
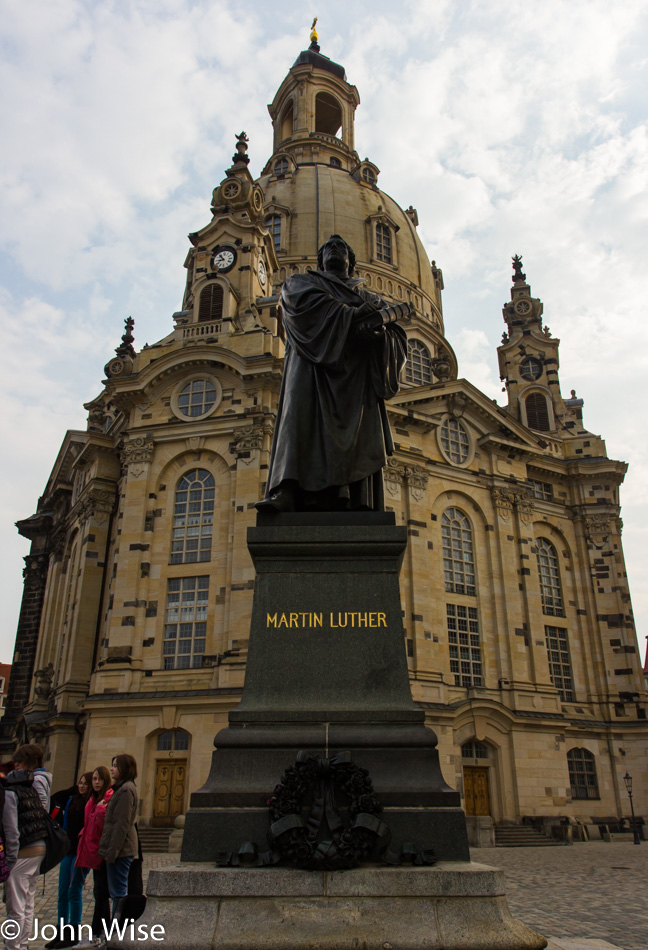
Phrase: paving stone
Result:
[588,896]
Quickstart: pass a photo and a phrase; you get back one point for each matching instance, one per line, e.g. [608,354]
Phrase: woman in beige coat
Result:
[118,844]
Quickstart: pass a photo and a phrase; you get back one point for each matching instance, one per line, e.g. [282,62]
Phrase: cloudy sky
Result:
[511,128]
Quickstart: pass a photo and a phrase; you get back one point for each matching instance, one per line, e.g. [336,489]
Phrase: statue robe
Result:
[332,427]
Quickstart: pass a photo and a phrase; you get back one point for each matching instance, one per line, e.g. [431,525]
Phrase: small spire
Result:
[517,268]
[126,348]
[241,149]
[314,37]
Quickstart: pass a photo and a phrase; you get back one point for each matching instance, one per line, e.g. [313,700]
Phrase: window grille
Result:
[281,166]
[458,555]
[559,662]
[383,243]
[464,645]
[455,441]
[549,574]
[418,369]
[197,397]
[173,740]
[582,774]
[185,629]
[193,518]
[474,749]
[211,304]
[543,490]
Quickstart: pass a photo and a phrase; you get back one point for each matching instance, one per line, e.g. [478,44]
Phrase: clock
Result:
[261,270]
[224,259]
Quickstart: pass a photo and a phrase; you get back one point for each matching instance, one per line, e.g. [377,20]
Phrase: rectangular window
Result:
[543,490]
[464,645]
[383,243]
[559,662]
[185,629]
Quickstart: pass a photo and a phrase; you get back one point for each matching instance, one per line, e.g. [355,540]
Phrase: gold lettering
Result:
[362,620]
[317,620]
[282,621]
[333,624]
[372,622]
[293,620]
[382,620]
[340,624]
[271,620]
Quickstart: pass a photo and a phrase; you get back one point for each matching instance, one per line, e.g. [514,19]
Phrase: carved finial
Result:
[241,149]
[517,269]
[314,37]
[125,348]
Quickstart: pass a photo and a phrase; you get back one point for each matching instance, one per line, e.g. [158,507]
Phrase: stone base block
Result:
[451,906]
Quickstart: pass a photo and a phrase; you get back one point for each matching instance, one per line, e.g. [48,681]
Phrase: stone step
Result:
[154,840]
[521,836]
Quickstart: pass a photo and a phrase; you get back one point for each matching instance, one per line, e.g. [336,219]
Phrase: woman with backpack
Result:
[88,851]
[72,877]
[24,829]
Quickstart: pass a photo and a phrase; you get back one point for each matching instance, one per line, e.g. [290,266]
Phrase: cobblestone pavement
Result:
[595,890]
[592,890]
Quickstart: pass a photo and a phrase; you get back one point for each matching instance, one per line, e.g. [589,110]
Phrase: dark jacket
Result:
[73,817]
[119,838]
[24,818]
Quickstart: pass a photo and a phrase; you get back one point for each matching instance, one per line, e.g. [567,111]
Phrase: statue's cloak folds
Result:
[332,427]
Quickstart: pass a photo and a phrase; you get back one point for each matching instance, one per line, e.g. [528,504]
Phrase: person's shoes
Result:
[56,944]
[280,500]
[65,942]
[87,943]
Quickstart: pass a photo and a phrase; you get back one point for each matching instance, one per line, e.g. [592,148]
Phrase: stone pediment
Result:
[428,406]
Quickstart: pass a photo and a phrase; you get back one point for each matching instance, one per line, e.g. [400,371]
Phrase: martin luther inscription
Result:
[334,619]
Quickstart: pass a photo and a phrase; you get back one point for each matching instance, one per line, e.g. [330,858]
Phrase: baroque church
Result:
[138,588]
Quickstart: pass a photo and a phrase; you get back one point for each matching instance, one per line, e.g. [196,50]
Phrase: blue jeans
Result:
[70,891]
[117,872]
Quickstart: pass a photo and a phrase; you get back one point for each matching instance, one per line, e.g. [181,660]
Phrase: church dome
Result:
[316,185]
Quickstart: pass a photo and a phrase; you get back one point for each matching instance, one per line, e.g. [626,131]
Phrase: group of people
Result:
[98,815]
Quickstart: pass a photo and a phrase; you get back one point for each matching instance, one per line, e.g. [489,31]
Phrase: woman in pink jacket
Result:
[88,850]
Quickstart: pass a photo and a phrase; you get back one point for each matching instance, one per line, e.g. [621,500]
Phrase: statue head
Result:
[336,256]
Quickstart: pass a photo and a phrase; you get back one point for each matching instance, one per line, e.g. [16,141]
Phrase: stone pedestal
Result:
[326,673]
[452,906]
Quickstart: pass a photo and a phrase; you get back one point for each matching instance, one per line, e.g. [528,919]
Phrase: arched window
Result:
[549,574]
[211,304]
[369,175]
[559,662]
[273,224]
[383,243]
[173,740]
[281,166]
[418,369]
[537,412]
[335,162]
[286,125]
[328,114]
[582,774]
[193,518]
[458,557]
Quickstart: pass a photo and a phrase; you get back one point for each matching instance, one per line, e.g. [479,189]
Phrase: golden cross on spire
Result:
[314,35]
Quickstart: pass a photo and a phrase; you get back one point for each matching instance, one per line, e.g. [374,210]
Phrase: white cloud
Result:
[509,130]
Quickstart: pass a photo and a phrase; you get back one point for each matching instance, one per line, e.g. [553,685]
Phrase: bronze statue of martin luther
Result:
[344,354]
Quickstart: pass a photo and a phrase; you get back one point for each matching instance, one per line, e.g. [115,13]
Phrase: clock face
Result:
[224,259]
[262,273]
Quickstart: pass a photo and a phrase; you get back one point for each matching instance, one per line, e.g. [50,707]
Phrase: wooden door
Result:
[476,790]
[169,791]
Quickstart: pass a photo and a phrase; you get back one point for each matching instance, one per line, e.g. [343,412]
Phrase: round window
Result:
[455,441]
[196,398]
[531,368]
